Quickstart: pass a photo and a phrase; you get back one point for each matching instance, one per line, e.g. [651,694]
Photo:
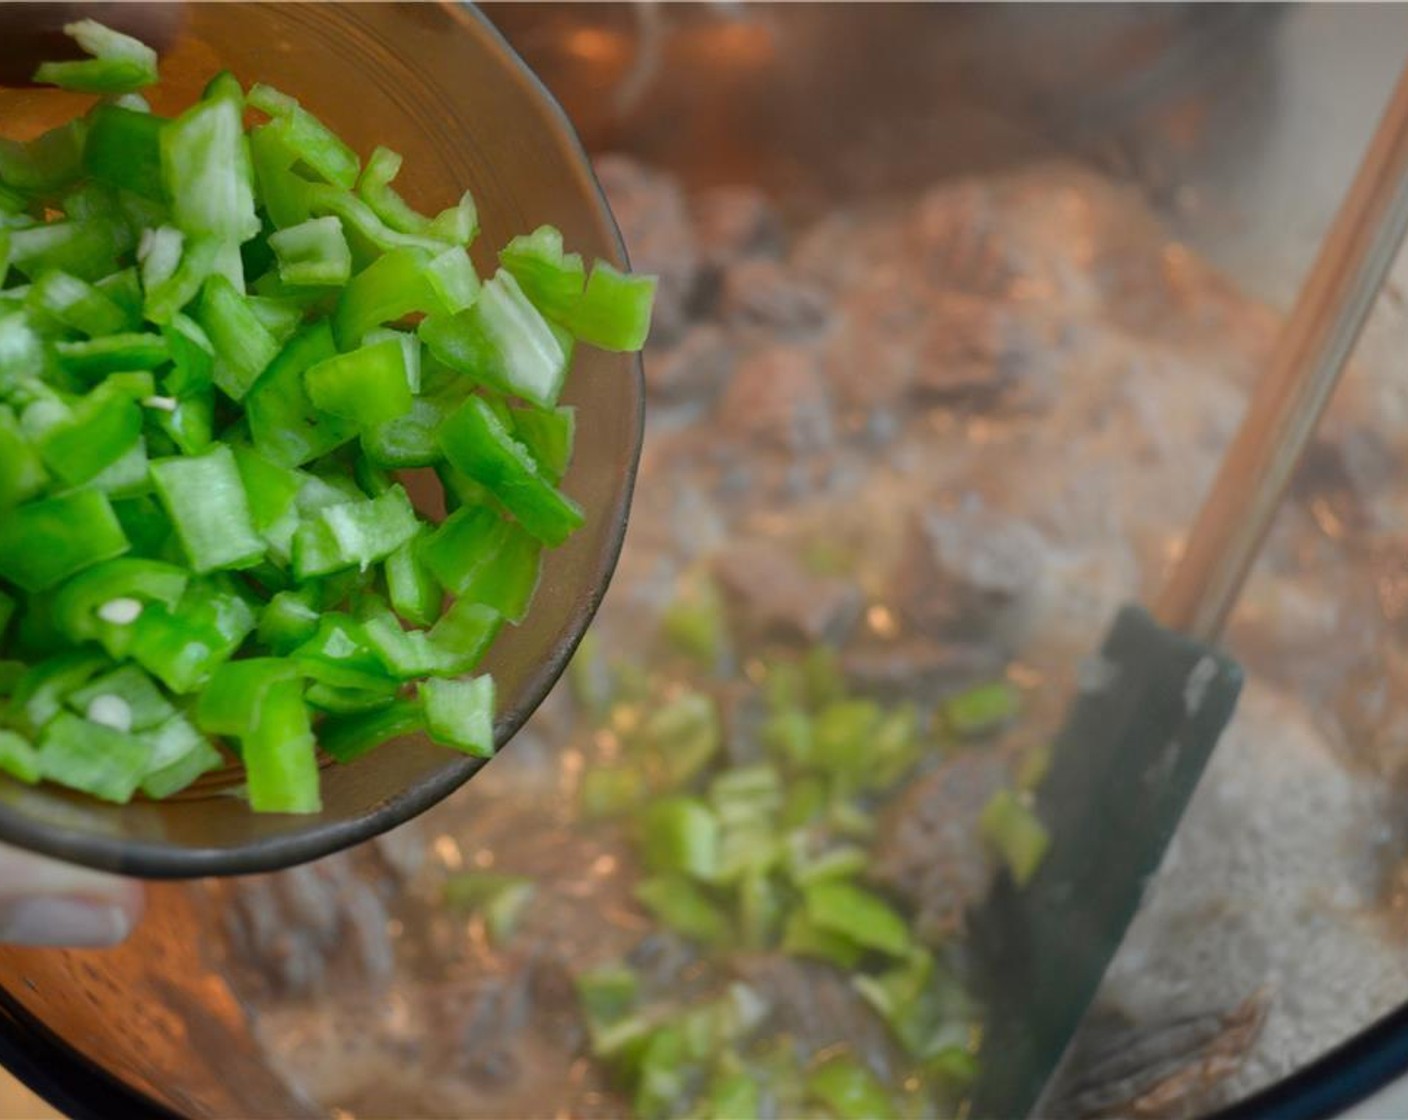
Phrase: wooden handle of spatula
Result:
[1291,395]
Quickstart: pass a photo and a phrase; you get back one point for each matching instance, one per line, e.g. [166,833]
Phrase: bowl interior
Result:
[437,84]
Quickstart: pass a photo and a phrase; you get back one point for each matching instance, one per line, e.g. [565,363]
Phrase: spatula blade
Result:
[1146,719]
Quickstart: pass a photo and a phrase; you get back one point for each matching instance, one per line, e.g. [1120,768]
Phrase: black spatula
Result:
[1157,696]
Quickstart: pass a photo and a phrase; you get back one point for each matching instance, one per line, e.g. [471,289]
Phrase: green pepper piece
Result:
[22,475]
[369,385]
[280,754]
[408,440]
[312,253]
[40,693]
[551,279]
[103,602]
[467,629]
[127,696]
[502,340]
[233,702]
[679,835]
[684,907]
[209,509]
[377,192]
[189,421]
[119,64]
[460,714]
[854,913]
[174,267]
[482,558]
[1016,833]
[289,619]
[89,249]
[340,654]
[103,427]
[849,1091]
[93,358]
[314,144]
[476,442]
[206,170]
[354,534]
[350,737]
[179,755]
[415,594]
[43,543]
[452,279]
[46,164]
[124,288]
[614,311]
[95,759]
[549,436]
[286,427]
[78,304]
[184,645]
[410,654]
[279,315]
[123,149]
[243,346]
[18,758]
[391,287]
[281,190]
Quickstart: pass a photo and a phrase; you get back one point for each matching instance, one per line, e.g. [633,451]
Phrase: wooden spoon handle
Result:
[1291,395]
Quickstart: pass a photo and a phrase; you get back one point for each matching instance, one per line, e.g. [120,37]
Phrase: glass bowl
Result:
[439,85]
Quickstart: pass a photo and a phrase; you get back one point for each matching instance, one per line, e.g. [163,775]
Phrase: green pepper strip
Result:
[312,142]
[614,311]
[551,279]
[95,759]
[460,714]
[477,443]
[184,645]
[123,149]
[482,558]
[312,253]
[369,385]
[243,345]
[287,428]
[347,739]
[503,340]
[205,168]
[102,603]
[44,542]
[209,509]
[280,754]
[119,64]
[391,287]
[354,534]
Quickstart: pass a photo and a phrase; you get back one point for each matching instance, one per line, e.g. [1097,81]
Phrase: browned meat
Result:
[697,367]
[775,598]
[764,294]
[973,575]
[927,849]
[778,398]
[735,222]
[301,930]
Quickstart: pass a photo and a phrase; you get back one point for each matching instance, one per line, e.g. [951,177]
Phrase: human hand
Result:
[31,33]
[46,902]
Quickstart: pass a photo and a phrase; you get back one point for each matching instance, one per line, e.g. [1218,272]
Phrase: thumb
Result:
[46,902]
